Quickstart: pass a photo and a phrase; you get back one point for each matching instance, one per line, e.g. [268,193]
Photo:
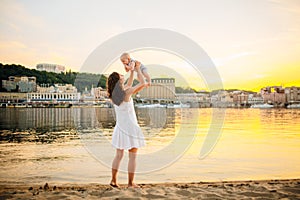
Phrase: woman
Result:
[127,134]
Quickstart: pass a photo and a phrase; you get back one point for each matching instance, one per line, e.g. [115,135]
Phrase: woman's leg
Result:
[132,166]
[115,166]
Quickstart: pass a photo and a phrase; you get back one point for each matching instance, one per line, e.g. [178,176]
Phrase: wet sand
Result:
[262,189]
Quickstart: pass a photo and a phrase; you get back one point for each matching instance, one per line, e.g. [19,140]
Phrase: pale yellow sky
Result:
[253,43]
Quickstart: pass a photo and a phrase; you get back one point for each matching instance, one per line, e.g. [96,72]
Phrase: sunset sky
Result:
[253,43]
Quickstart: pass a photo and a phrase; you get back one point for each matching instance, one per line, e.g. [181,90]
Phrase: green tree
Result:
[81,80]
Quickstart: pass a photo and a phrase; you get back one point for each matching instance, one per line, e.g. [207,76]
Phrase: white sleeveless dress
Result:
[127,132]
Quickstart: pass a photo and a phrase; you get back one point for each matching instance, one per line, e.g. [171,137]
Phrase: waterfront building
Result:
[222,99]
[240,98]
[87,96]
[55,97]
[292,94]
[273,95]
[226,98]
[94,95]
[214,99]
[50,67]
[20,84]
[255,99]
[58,92]
[9,85]
[161,88]
[60,88]
[12,97]
[194,99]
[99,93]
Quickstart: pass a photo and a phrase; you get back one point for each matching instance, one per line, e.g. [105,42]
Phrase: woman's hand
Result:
[141,84]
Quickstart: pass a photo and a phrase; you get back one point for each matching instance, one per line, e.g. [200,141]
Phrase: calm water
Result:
[58,145]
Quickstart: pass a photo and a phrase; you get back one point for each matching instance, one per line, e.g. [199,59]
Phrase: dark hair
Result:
[114,89]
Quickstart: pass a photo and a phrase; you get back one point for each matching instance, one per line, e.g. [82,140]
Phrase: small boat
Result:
[20,106]
[65,105]
[14,105]
[179,105]
[262,106]
[185,105]
[157,105]
[294,106]
[102,105]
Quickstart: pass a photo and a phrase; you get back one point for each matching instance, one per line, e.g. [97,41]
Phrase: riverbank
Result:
[266,189]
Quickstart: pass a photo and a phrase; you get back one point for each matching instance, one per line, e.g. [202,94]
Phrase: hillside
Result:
[81,80]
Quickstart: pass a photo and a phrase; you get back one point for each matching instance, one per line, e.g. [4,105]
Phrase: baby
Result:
[129,64]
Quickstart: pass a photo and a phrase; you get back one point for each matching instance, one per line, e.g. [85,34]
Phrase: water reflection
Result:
[40,119]
[62,121]
[255,144]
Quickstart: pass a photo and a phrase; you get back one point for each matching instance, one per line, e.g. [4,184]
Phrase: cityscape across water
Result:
[23,91]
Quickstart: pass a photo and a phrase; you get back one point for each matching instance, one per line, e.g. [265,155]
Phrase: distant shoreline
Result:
[148,106]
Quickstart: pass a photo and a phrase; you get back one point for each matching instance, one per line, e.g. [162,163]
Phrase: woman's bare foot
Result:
[133,185]
[114,184]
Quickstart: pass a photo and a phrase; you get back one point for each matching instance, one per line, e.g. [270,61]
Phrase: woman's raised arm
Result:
[130,80]
[141,80]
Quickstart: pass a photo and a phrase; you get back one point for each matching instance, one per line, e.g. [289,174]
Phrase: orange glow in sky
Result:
[253,43]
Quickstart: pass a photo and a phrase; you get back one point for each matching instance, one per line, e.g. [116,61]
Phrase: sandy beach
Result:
[262,189]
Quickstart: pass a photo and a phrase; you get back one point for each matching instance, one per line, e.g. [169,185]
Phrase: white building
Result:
[58,92]
[20,83]
[55,97]
[50,67]
[60,88]
[193,97]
